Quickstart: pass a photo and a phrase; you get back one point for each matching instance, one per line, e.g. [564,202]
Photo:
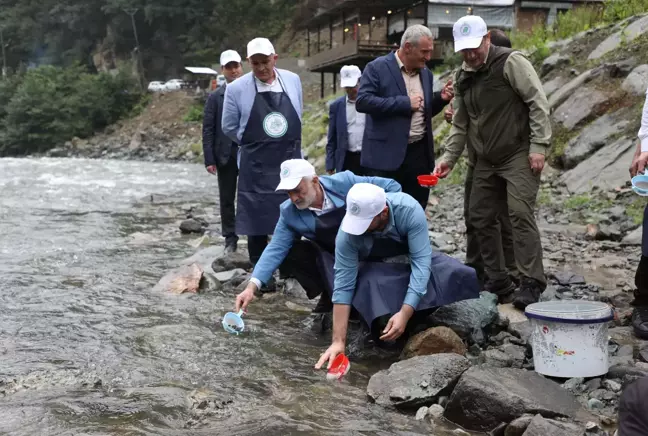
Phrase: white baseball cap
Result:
[260,46]
[229,56]
[363,203]
[468,32]
[292,172]
[349,76]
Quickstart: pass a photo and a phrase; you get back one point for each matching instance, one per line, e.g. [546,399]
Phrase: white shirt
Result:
[327,206]
[643,131]
[355,126]
[275,86]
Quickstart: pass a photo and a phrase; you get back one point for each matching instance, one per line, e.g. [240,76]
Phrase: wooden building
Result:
[345,32]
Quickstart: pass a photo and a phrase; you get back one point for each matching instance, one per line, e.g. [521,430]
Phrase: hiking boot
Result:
[640,322]
[501,287]
[530,291]
[515,280]
[324,305]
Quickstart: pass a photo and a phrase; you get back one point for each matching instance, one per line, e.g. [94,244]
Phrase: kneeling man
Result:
[389,224]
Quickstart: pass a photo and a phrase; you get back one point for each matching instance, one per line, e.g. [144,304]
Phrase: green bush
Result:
[49,105]
[617,10]
[195,114]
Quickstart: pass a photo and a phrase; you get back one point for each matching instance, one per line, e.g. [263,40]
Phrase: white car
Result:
[174,85]
[220,80]
[156,86]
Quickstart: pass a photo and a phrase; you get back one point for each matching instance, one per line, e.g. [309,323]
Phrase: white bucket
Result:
[570,337]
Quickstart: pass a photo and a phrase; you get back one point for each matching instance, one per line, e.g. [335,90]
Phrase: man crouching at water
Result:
[380,225]
[314,211]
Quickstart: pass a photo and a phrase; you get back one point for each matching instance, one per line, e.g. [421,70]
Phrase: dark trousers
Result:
[415,164]
[641,282]
[256,245]
[227,178]
[473,254]
[352,163]
[514,178]
[302,264]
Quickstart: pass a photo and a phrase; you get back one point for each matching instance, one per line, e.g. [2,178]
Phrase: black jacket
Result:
[217,147]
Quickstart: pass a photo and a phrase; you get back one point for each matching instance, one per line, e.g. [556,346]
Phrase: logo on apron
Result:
[275,125]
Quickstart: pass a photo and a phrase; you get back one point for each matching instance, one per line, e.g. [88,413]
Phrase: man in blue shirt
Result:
[314,211]
[396,223]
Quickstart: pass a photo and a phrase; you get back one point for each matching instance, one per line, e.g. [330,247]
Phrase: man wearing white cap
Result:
[502,113]
[220,151]
[396,223]
[346,126]
[314,211]
[262,113]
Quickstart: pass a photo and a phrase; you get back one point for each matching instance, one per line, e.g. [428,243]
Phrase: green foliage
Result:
[587,201]
[617,10]
[635,210]
[458,174]
[50,105]
[195,114]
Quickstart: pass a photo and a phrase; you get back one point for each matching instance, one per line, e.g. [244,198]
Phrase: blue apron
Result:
[381,287]
[644,233]
[272,135]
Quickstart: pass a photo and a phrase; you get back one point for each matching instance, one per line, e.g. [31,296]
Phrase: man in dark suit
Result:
[220,151]
[346,126]
[397,95]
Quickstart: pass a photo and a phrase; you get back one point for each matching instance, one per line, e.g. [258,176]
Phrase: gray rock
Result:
[209,283]
[599,394]
[624,371]
[609,233]
[496,358]
[621,360]
[595,404]
[554,85]
[485,397]
[567,90]
[616,213]
[643,353]
[518,426]
[593,384]
[231,261]
[522,330]
[574,385]
[191,226]
[626,350]
[421,413]
[293,289]
[549,294]
[540,426]
[637,81]
[417,381]
[592,138]
[621,69]
[554,61]
[602,169]
[226,276]
[579,107]
[435,411]
[468,318]
[633,238]
[613,41]
[567,278]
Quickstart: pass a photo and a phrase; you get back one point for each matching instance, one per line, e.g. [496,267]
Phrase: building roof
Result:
[202,70]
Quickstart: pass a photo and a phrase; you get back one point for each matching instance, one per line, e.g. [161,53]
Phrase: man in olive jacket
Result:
[502,112]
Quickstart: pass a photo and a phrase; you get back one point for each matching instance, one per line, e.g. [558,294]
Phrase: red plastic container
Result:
[428,180]
[339,367]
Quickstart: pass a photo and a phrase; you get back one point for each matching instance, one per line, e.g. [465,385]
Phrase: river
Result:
[88,348]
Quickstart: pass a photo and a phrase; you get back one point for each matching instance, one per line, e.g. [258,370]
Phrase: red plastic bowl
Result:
[339,367]
[428,180]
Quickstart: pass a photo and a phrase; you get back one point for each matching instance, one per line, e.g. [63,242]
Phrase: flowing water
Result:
[88,348]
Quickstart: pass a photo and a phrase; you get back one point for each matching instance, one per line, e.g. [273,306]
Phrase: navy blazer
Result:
[383,97]
[338,136]
[217,146]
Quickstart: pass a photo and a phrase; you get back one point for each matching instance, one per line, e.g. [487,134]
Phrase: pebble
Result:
[594,404]
[611,385]
[593,384]
[421,413]
[435,411]
[573,384]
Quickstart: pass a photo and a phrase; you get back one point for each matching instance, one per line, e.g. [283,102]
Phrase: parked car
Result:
[174,85]
[156,86]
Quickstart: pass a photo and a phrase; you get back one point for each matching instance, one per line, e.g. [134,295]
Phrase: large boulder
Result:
[540,426]
[554,85]
[468,318]
[580,106]
[179,280]
[486,397]
[554,61]
[602,169]
[567,90]
[436,340]
[418,381]
[637,81]
[592,138]
[612,42]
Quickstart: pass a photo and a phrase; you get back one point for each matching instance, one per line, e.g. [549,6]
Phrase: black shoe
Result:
[515,280]
[269,287]
[231,245]
[501,287]
[640,322]
[530,291]
[324,305]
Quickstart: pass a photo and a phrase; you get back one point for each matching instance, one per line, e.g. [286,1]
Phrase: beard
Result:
[307,201]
